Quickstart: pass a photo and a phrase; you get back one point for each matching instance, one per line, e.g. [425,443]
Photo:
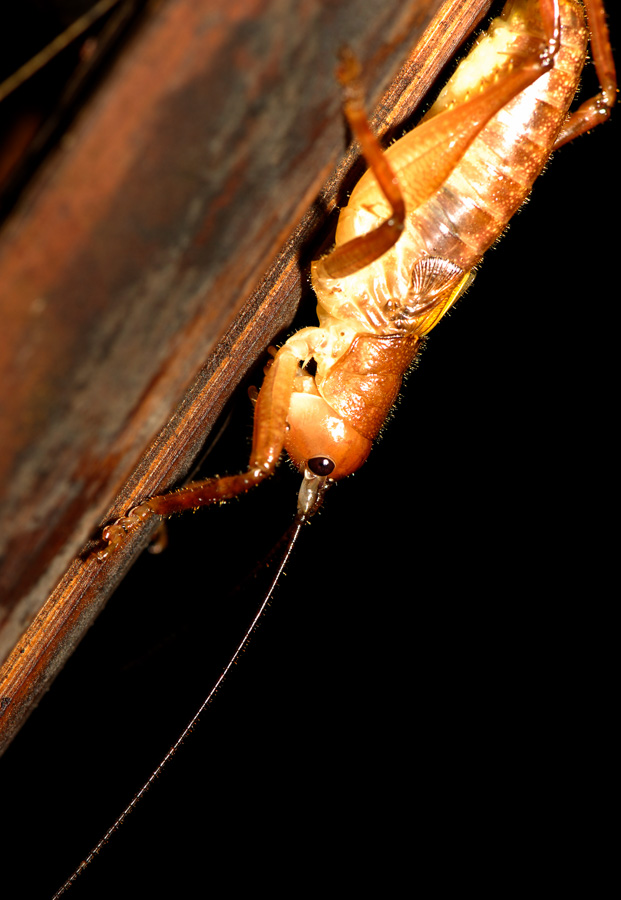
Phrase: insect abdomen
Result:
[498,170]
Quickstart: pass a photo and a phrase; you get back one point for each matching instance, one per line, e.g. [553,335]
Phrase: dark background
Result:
[429,689]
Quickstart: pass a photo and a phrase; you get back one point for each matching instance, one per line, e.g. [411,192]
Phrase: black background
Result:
[429,688]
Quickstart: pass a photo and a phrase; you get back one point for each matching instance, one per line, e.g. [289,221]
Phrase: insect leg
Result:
[356,254]
[429,153]
[596,110]
[269,431]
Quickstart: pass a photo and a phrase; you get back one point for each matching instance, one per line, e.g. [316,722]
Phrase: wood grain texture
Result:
[438,644]
[133,275]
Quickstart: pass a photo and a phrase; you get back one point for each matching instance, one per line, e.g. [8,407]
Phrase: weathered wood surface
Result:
[456,588]
[136,262]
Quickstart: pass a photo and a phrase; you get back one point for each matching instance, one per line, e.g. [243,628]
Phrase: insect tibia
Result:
[192,496]
[358,253]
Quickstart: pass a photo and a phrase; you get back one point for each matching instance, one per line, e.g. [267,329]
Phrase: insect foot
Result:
[115,534]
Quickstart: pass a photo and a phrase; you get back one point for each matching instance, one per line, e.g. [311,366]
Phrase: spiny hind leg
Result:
[359,252]
[428,155]
[595,111]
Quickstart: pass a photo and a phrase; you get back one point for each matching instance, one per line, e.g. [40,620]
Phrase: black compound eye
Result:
[321,465]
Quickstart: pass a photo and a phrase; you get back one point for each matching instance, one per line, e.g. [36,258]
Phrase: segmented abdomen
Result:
[497,172]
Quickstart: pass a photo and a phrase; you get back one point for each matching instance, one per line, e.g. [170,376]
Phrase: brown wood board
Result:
[133,275]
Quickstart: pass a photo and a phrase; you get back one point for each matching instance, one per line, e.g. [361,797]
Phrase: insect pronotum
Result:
[414,601]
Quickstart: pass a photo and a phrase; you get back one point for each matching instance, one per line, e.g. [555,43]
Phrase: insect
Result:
[406,248]
[317,729]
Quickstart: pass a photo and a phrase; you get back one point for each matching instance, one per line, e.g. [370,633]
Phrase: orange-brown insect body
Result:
[416,225]
[370,324]
[374,310]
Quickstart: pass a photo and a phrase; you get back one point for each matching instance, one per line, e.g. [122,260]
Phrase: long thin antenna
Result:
[293,536]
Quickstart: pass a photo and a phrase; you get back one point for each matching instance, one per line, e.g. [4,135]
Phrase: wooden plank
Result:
[136,257]
[453,585]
